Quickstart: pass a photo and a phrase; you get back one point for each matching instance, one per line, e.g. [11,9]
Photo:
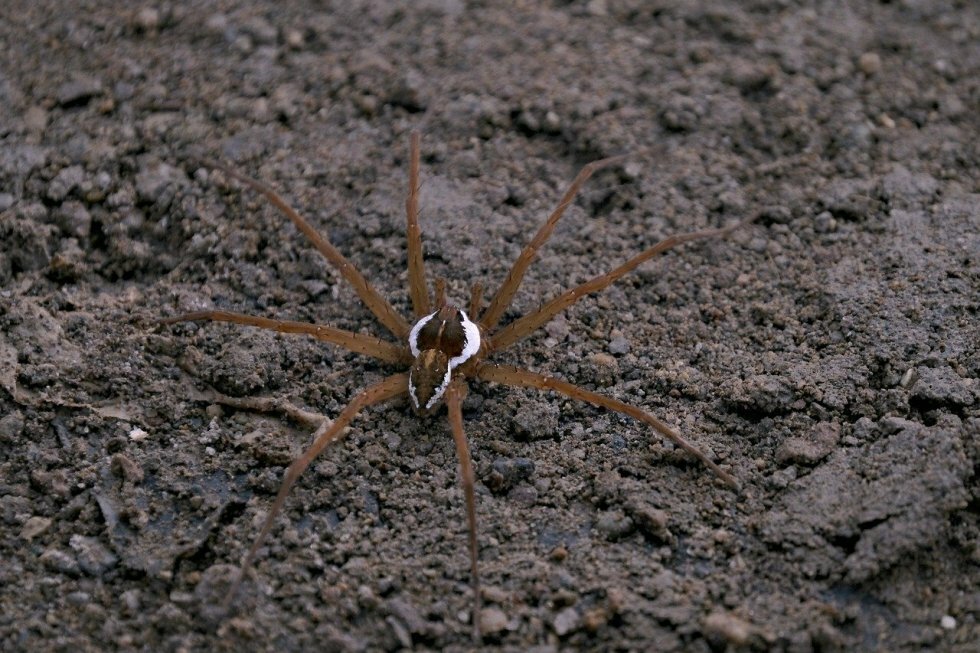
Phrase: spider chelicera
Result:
[444,347]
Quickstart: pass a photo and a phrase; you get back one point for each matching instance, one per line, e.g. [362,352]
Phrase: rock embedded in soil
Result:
[566,621]
[59,560]
[78,90]
[728,628]
[942,386]
[35,526]
[93,556]
[492,621]
[819,443]
[508,472]
[11,426]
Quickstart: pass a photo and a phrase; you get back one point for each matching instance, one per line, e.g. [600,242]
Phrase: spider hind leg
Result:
[513,376]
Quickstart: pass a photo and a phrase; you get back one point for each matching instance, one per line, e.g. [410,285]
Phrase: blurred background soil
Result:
[826,355]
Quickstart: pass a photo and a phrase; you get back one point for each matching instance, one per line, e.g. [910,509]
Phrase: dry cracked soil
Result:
[826,355]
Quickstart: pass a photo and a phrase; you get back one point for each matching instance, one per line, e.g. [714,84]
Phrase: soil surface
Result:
[826,355]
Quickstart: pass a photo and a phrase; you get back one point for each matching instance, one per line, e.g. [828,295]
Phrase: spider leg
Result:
[454,401]
[501,301]
[514,376]
[520,328]
[417,287]
[355,342]
[476,298]
[440,292]
[377,304]
[327,433]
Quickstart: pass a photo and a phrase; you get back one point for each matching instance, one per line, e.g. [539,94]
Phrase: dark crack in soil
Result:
[826,355]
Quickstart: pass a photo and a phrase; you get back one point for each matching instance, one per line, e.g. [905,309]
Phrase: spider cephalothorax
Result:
[443,350]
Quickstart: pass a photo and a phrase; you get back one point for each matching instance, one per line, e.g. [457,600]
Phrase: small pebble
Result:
[948,622]
[492,620]
[565,621]
[36,119]
[74,219]
[810,449]
[294,39]
[824,222]
[728,628]
[942,386]
[148,18]
[594,619]
[559,553]
[603,360]
[493,594]
[408,614]
[181,598]
[58,560]
[33,527]
[93,557]
[651,521]
[131,599]
[525,495]
[78,90]
[614,525]
[67,180]
[154,178]
[619,346]
[508,472]
[124,467]
[869,63]
[11,426]
[78,598]
[907,377]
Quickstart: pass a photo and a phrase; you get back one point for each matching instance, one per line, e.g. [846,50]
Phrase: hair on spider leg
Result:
[441,346]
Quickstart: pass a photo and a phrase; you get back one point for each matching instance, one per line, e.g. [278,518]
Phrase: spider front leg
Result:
[377,304]
[328,432]
[355,342]
[417,287]
[501,301]
[512,376]
[454,402]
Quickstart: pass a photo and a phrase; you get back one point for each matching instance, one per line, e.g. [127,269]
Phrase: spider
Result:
[443,348]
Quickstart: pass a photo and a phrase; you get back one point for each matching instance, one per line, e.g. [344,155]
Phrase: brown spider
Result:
[443,348]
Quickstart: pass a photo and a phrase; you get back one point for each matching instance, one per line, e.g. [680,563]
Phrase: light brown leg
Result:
[377,304]
[526,325]
[476,298]
[513,376]
[501,301]
[355,342]
[328,432]
[454,401]
[440,292]
[417,287]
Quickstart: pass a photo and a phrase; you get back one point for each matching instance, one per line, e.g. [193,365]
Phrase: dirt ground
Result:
[826,355]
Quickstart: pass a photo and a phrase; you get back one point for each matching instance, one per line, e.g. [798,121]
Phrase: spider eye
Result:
[428,379]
